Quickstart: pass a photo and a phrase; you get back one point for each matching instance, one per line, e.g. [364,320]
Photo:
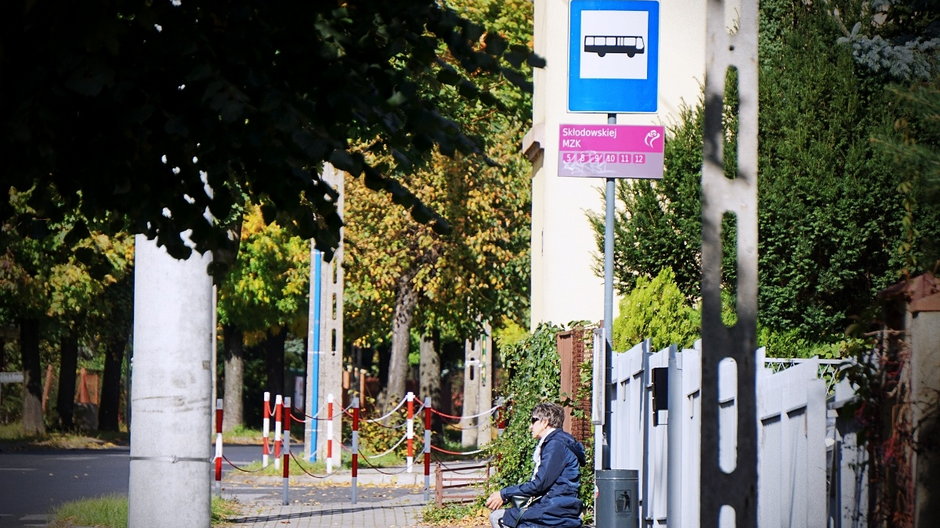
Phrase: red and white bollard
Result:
[355,450]
[218,447]
[410,433]
[278,410]
[286,466]
[266,430]
[329,433]
[500,418]
[427,449]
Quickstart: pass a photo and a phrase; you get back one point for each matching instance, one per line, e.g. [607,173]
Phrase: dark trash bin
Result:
[617,502]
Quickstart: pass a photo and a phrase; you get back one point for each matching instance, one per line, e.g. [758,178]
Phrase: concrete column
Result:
[471,393]
[171,390]
[331,326]
[485,423]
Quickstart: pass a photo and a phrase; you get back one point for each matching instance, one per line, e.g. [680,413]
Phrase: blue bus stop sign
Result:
[613,56]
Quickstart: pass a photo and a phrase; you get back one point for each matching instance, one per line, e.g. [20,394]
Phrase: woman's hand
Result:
[494,501]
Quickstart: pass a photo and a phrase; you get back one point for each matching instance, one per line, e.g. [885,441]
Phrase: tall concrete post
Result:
[331,326]
[485,423]
[471,393]
[171,420]
[729,495]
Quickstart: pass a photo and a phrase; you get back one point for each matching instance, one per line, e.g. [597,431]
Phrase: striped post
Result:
[266,430]
[329,433]
[500,418]
[410,434]
[278,410]
[355,450]
[285,499]
[218,447]
[427,449]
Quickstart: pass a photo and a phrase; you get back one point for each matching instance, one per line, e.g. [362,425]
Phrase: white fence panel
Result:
[792,452]
[792,456]
[626,430]
[655,477]
[690,418]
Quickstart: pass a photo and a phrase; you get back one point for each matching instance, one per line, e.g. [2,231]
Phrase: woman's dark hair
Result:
[552,413]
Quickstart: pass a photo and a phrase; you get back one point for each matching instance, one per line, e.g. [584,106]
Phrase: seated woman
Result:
[552,494]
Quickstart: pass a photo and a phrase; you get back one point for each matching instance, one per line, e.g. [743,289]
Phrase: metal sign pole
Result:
[608,307]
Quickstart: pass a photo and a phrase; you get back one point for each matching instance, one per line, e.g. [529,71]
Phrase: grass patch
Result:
[12,438]
[242,435]
[107,511]
[110,511]
[457,514]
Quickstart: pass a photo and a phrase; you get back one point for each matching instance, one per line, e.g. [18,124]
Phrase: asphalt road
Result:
[32,483]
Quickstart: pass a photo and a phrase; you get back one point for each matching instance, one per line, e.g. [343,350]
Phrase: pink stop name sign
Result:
[611,151]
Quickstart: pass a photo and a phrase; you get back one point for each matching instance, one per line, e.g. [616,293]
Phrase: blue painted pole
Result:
[313,398]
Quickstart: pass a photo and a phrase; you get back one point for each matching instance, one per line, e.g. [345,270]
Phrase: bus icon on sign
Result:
[604,44]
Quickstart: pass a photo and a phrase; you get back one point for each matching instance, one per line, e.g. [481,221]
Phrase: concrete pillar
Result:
[485,423]
[331,327]
[471,393]
[171,390]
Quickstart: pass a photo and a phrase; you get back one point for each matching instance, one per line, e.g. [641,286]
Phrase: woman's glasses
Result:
[534,419]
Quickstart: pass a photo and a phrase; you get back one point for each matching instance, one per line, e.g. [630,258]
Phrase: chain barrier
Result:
[452,417]
[380,424]
[281,448]
[366,460]
[391,449]
[302,468]
[243,470]
[459,453]
[389,413]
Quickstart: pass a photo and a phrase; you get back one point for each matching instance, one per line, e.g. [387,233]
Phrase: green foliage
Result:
[830,215]
[656,310]
[268,286]
[534,366]
[377,437]
[790,344]
[892,38]
[829,211]
[509,333]
[913,148]
[402,274]
[660,222]
[135,108]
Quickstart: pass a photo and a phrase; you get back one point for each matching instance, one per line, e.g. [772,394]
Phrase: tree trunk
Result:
[109,412]
[32,384]
[405,301]
[429,372]
[274,360]
[68,364]
[232,392]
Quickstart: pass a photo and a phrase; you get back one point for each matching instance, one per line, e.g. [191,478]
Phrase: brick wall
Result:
[574,349]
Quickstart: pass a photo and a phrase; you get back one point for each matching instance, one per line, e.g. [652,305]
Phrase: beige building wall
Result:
[565,286]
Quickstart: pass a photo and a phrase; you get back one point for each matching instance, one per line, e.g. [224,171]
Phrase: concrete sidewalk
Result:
[387,498]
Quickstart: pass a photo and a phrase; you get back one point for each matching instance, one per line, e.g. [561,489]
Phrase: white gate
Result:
[792,427]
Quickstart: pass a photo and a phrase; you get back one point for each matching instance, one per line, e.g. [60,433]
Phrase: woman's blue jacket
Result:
[556,483]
